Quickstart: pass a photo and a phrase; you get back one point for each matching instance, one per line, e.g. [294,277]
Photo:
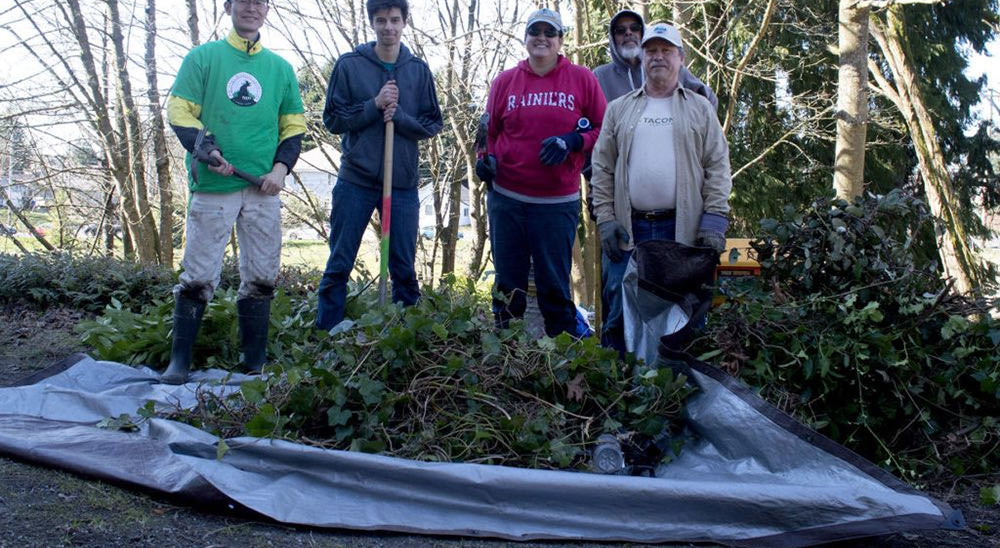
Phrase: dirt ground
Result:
[41,507]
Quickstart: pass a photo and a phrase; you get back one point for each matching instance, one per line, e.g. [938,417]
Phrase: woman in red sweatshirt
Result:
[544,118]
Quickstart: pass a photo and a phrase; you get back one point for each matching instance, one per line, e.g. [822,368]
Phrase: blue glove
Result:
[555,149]
[486,168]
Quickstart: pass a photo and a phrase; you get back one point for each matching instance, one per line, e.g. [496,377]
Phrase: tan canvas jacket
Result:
[704,179]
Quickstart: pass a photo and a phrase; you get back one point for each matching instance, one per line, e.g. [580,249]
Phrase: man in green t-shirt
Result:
[239,104]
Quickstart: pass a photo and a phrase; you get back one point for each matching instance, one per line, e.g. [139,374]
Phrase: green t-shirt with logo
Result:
[242,96]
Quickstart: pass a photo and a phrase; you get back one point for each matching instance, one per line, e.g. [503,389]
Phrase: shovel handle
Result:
[252,179]
[386,215]
[212,161]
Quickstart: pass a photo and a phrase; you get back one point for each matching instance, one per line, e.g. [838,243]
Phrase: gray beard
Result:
[629,53]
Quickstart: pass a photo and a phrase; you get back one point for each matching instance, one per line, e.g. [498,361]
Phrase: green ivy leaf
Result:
[337,416]
[263,423]
[370,390]
[954,326]
[148,410]
[990,496]
[253,390]
[221,448]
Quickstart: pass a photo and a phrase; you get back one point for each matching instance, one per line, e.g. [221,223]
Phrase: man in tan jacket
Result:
[661,163]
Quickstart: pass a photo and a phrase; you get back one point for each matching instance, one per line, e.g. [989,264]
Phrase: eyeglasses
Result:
[636,28]
[258,3]
[549,32]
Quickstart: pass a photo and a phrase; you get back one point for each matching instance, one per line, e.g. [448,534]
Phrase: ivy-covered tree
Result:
[924,80]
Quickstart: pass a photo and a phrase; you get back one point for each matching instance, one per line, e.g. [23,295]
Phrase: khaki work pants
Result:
[258,230]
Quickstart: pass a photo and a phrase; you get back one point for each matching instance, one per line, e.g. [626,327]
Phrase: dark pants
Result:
[522,235]
[612,274]
[350,212]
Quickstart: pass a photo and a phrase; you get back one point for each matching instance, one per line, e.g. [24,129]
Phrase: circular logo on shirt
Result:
[243,89]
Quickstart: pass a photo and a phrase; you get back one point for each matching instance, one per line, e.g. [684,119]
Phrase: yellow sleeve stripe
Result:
[183,113]
[291,125]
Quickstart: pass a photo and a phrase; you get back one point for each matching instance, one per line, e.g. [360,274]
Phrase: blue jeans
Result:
[522,235]
[350,212]
[612,274]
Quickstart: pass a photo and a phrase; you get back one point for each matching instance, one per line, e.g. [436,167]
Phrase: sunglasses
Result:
[636,28]
[549,33]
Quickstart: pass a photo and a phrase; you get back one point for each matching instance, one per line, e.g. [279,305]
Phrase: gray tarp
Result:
[753,477]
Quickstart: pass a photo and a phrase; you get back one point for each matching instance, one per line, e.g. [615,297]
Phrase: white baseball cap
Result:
[545,15]
[662,31]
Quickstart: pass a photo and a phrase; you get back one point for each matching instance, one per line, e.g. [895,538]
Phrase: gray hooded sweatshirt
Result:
[620,77]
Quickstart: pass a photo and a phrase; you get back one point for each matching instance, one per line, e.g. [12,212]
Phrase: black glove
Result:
[486,168]
[613,234]
[556,148]
[714,240]
[203,151]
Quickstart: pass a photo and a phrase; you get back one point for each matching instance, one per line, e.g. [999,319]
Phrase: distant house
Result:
[427,217]
[317,169]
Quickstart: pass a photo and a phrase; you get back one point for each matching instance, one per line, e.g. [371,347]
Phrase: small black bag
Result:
[681,274]
[671,269]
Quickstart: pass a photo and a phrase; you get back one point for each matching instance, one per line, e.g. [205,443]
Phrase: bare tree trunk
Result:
[449,236]
[163,180]
[852,101]
[355,24]
[99,107]
[192,21]
[142,224]
[108,220]
[477,189]
[587,253]
[957,259]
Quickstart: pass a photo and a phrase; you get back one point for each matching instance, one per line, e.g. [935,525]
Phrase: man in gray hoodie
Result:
[622,75]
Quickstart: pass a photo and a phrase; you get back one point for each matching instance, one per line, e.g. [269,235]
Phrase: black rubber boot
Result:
[254,318]
[187,320]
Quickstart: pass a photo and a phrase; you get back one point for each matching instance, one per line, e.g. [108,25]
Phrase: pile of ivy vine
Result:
[851,329]
[435,381]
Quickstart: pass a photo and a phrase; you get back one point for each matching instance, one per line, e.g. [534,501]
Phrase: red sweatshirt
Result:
[525,109]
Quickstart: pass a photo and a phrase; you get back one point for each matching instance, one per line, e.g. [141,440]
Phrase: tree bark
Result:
[957,259]
[587,251]
[192,21]
[141,222]
[115,152]
[448,236]
[852,101]
[163,179]
[477,189]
